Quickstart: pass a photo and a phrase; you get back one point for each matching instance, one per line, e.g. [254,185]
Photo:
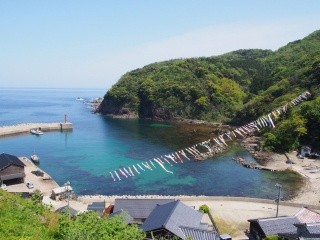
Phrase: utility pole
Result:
[279,186]
[67,184]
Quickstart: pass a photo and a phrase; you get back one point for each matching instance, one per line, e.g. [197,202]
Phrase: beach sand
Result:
[308,168]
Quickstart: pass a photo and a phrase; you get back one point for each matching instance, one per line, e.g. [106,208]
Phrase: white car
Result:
[4,187]
[30,185]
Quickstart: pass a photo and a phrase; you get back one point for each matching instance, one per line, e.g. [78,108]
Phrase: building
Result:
[11,169]
[260,228]
[61,192]
[124,215]
[67,209]
[138,209]
[175,219]
[306,231]
[98,207]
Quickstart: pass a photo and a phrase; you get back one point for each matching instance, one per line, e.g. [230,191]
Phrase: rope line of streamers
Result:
[213,146]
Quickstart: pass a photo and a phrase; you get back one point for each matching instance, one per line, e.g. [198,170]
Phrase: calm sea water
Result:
[98,145]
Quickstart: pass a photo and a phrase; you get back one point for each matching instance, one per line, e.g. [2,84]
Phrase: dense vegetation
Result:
[29,219]
[236,87]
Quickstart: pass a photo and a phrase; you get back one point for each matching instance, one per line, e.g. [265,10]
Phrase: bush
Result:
[204,208]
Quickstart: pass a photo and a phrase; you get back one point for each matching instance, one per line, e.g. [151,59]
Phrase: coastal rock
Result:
[114,109]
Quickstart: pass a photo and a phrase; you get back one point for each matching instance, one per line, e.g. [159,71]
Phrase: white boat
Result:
[36,131]
[80,99]
[35,158]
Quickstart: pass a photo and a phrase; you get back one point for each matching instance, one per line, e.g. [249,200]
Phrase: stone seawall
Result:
[26,127]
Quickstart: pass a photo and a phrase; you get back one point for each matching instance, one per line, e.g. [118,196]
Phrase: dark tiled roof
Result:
[97,206]
[171,216]
[274,226]
[313,228]
[124,214]
[198,234]
[7,160]
[285,225]
[138,208]
[308,230]
[310,238]
[66,209]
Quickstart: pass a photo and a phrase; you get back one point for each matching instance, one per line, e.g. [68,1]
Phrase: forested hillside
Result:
[236,87]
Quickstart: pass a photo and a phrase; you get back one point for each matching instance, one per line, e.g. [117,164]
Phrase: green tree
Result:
[37,197]
[89,226]
[285,137]
[204,208]
[311,112]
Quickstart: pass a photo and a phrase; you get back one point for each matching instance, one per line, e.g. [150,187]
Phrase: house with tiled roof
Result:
[138,209]
[260,228]
[308,231]
[304,231]
[11,168]
[175,219]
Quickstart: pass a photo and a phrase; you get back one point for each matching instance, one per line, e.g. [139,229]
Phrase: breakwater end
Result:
[26,127]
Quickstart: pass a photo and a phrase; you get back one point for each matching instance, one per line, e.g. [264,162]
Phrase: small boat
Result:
[80,99]
[35,158]
[36,131]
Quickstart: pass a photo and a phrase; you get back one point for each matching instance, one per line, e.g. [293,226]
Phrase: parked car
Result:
[4,187]
[30,185]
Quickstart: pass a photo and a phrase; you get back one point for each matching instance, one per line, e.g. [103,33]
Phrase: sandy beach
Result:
[309,169]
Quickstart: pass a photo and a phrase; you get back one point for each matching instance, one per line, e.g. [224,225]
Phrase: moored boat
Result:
[36,131]
[35,158]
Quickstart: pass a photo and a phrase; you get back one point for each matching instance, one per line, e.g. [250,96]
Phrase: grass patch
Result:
[224,227]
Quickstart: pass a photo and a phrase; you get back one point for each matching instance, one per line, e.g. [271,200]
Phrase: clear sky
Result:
[90,44]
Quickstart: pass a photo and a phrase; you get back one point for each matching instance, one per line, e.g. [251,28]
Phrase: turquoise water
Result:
[98,145]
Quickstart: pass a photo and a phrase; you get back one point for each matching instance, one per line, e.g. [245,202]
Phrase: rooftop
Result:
[172,216]
[138,208]
[7,160]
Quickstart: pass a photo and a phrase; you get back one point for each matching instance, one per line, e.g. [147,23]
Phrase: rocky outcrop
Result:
[114,109]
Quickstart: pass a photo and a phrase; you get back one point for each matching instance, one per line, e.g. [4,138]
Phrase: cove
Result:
[98,145]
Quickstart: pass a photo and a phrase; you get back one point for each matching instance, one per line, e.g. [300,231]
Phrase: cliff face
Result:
[113,108]
[237,86]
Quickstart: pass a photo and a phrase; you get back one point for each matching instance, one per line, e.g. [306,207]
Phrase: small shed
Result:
[61,192]
[11,168]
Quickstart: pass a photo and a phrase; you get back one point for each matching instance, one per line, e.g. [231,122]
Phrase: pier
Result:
[252,165]
[26,127]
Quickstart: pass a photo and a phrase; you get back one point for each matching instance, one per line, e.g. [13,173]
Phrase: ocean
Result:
[98,145]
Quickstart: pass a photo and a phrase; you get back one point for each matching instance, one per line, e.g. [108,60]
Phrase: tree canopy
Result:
[235,88]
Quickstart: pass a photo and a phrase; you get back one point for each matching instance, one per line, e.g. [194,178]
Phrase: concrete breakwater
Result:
[26,127]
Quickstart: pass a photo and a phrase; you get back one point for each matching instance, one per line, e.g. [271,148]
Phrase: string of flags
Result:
[213,146]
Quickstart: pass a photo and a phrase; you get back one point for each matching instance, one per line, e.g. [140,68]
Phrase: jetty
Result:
[26,127]
[252,165]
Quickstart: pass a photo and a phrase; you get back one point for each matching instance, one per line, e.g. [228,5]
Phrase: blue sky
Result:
[90,44]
